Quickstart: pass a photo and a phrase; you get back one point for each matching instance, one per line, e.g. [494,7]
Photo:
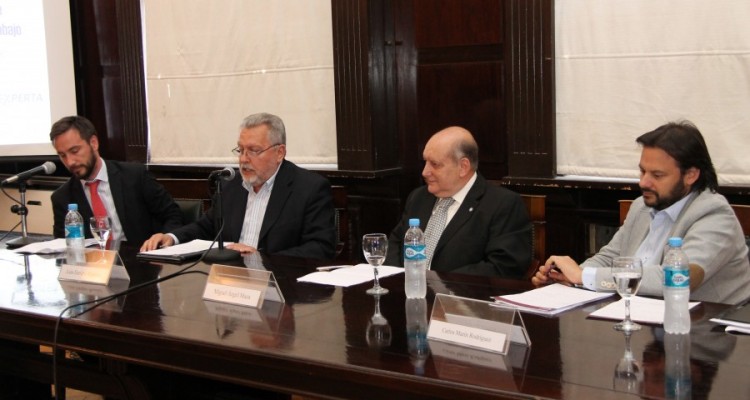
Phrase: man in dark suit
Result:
[486,227]
[274,206]
[137,205]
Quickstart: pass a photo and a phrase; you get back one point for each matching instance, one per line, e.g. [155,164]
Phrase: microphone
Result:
[48,168]
[227,174]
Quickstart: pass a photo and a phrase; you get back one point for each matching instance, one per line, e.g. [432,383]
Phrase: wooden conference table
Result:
[317,344]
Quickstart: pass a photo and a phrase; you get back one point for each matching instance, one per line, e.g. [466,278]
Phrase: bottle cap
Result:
[73,207]
[413,221]
[675,242]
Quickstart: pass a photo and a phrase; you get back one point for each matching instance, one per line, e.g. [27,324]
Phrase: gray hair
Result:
[467,148]
[276,130]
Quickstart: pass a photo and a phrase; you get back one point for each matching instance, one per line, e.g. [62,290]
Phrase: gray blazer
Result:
[712,239]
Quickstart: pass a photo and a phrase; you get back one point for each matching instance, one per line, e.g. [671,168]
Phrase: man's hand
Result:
[561,269]
[156,241]
[242,248]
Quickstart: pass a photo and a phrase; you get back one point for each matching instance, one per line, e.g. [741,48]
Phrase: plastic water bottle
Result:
[676,288]
[678,381]
[416,333]
[74,236]
[415,262]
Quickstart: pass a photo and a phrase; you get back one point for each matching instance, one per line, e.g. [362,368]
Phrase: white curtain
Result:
[210,63]
[624,67]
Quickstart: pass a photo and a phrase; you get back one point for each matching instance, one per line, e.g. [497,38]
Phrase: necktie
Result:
[435,226]
[97,205]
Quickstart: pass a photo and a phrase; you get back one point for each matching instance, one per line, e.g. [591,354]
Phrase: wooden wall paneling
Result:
[459,75]
[469,95]
[530,88]
[132,81]
[363,48]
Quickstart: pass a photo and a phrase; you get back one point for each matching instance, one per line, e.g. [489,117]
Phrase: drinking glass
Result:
[628,375]
[627,273]
[101,227]
[379,333]
[375,247]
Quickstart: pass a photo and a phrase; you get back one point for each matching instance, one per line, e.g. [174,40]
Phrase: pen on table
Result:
[332,267]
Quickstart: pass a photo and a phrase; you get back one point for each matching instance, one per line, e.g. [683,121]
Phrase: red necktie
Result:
[96,202]
[97,205]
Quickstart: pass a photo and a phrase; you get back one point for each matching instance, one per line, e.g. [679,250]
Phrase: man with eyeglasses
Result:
[274,206]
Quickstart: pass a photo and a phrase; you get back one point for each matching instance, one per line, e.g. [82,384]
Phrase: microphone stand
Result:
[220,254]
[22,211]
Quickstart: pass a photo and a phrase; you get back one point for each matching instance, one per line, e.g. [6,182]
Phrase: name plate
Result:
[476,323]
[236,285]
[468,336]
[96,270]
[231,294]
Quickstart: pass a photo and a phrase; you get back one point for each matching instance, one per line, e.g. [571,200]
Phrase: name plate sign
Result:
[468,336]
[231,294]
[236,285]
[476,324]
[97,268]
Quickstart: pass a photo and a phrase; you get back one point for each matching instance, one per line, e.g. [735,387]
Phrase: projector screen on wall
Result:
[37,83]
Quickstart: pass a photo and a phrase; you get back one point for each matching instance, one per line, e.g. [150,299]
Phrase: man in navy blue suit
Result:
[486,230]
[274,206]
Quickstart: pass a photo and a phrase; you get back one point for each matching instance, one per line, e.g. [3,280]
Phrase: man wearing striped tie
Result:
[471,226]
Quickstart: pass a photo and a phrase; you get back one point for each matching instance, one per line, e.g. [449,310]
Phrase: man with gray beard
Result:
[274,206]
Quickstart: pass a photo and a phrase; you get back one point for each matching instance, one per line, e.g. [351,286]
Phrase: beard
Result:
[83,171]
[660,203]
[249,174]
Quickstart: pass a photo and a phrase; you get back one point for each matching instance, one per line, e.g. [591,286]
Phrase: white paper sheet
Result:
[349,276]
[53,246]
[194,246]
[642,309]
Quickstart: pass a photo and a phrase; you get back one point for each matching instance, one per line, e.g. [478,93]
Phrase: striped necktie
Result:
[435,226]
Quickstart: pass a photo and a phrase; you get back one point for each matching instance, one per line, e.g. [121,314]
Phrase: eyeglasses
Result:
[251,153]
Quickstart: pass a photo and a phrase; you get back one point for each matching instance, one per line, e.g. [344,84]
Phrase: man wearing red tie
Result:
[136,204]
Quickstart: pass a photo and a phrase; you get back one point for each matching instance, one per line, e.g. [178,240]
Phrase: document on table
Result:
[349,275]
[642,309]
[178,253]
[53,246]
[736,319]
[551,299]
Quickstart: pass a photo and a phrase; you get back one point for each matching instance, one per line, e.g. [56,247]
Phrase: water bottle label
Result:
[73,231]
[676,278]
[414,252]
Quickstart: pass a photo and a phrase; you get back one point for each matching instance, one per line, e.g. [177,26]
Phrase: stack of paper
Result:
[736,319]
[349,275]
[550,300]
[178,253]
[49,247]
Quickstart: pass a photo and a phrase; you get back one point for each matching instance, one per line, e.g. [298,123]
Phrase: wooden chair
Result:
[535,206]
[741,211]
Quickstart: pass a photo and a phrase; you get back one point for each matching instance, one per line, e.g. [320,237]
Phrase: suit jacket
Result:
[299,219]
[490,234]
[711,237]
[143,205]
